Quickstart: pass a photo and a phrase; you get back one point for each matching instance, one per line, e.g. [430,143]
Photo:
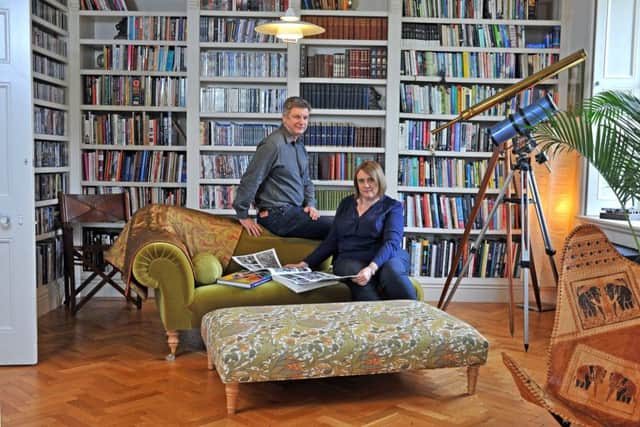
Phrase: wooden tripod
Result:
[446,297]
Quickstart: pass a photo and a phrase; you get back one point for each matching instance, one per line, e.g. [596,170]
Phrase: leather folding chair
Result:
[78,209]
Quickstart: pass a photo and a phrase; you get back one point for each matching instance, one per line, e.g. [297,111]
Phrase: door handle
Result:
[4,221]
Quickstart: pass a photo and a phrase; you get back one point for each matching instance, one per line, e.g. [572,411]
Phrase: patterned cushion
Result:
[266,343]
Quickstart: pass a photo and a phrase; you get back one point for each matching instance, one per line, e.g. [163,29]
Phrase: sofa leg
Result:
[173,339]
[472,379]
[231,390]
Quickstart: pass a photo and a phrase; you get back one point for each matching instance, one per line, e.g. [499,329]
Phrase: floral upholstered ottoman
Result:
[285,342]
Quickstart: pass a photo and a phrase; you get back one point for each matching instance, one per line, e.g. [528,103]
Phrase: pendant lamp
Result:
[289,28]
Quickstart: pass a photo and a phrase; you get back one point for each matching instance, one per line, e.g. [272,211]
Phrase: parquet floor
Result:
[106,367]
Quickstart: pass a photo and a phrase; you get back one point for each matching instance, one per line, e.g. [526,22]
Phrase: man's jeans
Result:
[293,221]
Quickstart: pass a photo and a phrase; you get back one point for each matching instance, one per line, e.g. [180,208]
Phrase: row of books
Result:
[167,28]
[342,96]
[493,65]
[338,166]
[222,197]
[49,261]
[133,90]
[47,219]
[477,9]
[440,99]
[47,66]
[143,196]
[133,129]
[343,135]
[49,121]
[224,166]
[446,172]
[350,28]
[368,63]
[460,137]
[469,35]
[233,63]
[48,92]
[50,14]
[139,166]
[143,58]
[431,210]
[242,100]
[248,5]
[103,5]
[328,200]
[434,258]
[216,196]
[237,30]
[327,4]
[48,41]
[228,134]
[95,240]
[47,185]
[50,154]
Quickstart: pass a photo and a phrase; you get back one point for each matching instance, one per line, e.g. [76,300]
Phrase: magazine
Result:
[245,279]
[298,279]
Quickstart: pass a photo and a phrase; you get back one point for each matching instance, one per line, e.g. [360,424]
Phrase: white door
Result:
[616,66]
[18,315]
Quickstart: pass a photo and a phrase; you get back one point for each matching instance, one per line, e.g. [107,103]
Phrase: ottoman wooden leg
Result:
[173,339]
[210,361]
[472,378]
[231,390]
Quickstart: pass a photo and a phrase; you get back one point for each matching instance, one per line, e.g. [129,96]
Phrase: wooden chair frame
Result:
[79,209]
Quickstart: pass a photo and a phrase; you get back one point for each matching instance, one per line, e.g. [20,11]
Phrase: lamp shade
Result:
[289,28]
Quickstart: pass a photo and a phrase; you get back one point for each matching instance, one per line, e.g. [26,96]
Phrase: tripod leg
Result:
[525,241]
[467,228]
[476,243]
[543,225]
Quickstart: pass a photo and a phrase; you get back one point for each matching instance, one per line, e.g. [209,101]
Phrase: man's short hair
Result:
[295,102]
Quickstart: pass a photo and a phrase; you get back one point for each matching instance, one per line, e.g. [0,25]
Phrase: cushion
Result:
[266,343]
[206,268]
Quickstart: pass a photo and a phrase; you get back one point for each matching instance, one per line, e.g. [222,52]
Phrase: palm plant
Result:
[606,131]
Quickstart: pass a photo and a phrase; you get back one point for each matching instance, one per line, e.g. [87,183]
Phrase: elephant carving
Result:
[623,387]
[590,374]
[620,296]
[590,301]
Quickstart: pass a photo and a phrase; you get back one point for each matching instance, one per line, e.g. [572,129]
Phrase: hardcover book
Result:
[245,279]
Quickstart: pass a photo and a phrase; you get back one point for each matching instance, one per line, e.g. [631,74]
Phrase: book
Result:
[297,279]
[245,279]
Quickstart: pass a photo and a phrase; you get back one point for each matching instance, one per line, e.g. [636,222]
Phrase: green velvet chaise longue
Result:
[156,250]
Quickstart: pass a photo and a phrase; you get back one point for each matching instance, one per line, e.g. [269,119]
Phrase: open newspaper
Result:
[298,279]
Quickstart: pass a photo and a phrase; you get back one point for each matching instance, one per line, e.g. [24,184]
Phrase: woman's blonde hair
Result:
[374,170]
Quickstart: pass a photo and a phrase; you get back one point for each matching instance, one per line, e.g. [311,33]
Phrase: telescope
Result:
[521,121]
[550,71]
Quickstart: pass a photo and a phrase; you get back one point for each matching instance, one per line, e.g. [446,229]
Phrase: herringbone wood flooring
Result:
[106,367]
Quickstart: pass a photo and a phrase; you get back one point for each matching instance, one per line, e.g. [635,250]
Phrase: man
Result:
[278,180]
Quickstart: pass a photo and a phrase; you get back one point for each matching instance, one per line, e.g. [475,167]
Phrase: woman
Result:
[365,240]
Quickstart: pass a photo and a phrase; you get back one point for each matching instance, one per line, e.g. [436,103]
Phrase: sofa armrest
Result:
[165,267]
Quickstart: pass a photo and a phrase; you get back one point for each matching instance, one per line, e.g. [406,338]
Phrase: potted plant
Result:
[606,131]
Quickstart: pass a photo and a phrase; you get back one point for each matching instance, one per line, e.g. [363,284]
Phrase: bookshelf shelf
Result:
[421,45]
[124,42]
[337,42]
[240,116]
[44,78]
[51,137]
[59,169]
[243,45]
[49,54]
[53,28]
[130,108]
[118,147]
[341,13]
[330,112]
[523,22]
[54,105]
[471,80]
[459,190]
[91,72]
[361,81]
[44,203]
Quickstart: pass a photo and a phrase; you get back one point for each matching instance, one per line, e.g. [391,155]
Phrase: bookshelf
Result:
[235,81]
[49,51]
[343,73]
[450,59]
[132,67]
[242,85]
